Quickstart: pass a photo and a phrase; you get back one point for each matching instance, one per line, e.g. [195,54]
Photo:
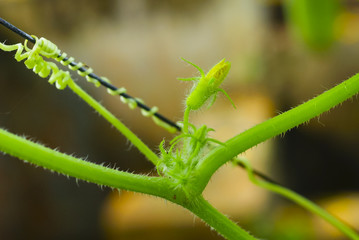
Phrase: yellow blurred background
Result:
[282,53]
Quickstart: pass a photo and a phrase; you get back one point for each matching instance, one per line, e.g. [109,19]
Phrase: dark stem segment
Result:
[92,75]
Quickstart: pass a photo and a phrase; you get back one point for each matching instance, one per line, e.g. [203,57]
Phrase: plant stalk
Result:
[273,127]
[48,158]
[142,147]
[217,220]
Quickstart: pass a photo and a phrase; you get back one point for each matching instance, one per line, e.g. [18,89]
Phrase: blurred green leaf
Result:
[313,21]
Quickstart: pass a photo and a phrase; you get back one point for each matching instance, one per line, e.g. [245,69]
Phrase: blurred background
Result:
[282,53]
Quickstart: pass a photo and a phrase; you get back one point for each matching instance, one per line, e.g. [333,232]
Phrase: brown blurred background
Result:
[282,54]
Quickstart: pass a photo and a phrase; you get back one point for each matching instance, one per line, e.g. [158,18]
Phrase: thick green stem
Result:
[81,169]
[143,148]
[273,127]
[68,165]
[217,220]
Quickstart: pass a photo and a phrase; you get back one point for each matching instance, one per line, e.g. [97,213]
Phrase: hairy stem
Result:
[75,167]
[143,148]
[81,169]
[217,220]
[273,127]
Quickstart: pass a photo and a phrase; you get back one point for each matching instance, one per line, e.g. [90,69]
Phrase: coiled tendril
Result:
[36,62]
[43,47]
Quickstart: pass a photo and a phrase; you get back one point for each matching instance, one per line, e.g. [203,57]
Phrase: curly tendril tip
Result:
[44,48]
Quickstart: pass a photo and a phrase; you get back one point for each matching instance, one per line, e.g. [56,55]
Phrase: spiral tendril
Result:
[34,61]
[45,48]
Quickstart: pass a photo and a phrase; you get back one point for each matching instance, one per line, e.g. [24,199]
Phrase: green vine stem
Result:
[273,127]
[186,119]
[163,187]
[302,201]
[197,205]
[189,194]
[158,186]
[217,220]
[142,147]
[51,159]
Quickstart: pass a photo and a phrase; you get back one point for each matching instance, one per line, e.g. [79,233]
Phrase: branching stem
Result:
[187,193]
[274,127]
[81,169]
